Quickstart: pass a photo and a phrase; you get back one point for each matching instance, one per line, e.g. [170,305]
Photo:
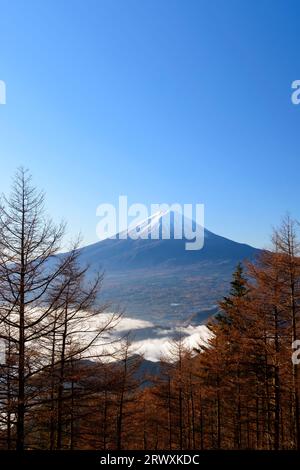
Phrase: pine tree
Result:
[238,290]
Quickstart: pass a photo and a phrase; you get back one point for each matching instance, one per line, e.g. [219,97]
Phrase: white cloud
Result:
[153,349]
[126,324]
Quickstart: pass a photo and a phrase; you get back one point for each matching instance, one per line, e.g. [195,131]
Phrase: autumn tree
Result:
[45,299]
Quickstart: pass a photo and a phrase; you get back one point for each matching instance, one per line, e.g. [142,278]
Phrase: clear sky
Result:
[161,100]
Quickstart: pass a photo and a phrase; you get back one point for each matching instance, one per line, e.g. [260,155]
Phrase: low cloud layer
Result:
[153,342]
[153,349]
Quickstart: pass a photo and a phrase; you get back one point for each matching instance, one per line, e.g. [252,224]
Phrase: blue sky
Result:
[161,100]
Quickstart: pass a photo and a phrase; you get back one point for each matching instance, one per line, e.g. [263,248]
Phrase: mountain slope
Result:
[160,280]
[129,253]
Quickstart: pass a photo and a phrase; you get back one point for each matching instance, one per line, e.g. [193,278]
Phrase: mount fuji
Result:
[158,280]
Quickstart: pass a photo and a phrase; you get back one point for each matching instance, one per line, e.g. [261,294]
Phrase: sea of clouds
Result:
[153,342]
